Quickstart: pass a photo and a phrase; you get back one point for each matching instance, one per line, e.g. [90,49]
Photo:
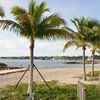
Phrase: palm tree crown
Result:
[79,36]
[33,23]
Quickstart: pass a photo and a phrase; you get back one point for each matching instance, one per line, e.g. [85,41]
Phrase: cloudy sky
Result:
[13,45]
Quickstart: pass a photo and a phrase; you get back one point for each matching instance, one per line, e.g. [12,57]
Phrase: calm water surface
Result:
[41,63]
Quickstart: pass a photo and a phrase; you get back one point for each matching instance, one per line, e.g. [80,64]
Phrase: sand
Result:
[62,75]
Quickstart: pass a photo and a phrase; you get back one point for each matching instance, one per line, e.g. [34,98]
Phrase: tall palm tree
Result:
[33,25]
[95,48]
[79,38]
[94,37]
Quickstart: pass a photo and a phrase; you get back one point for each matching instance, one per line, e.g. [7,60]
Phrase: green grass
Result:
[58,92]
[96,74]
[93,92]
[95,77]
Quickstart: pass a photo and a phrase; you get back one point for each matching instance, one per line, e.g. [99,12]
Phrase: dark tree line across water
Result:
[51,57]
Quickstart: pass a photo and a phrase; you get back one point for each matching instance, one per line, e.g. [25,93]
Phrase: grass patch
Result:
[42,92]
[96,74]
[95,77]
[9,93]
[58,92]
[93,92]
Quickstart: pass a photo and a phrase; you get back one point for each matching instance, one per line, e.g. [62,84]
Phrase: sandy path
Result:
[62,75]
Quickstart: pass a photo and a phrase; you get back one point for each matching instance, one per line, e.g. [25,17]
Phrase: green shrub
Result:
[65,92]
[93,92]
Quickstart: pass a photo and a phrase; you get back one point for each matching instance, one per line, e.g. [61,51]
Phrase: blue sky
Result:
[13,45]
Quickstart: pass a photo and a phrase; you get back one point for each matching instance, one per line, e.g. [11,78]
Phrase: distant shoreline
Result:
[51,57]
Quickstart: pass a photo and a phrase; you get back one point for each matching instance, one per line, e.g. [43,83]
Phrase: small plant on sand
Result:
[95,77]
[96,74]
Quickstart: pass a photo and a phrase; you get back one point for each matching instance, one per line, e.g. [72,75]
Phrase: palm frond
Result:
[69,30]
[79,36]
[52,21]
[43,7]
[17,11]
[68,44]
[93,22]
[53,34]
[10,25]
[22,30]
[31,7]
[75,24]
[2,14]
[39,10]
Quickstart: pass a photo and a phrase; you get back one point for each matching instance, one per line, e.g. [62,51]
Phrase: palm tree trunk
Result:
[93,52]
[83,60]
[30,88]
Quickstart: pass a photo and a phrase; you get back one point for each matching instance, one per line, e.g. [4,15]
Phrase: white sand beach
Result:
[62,75]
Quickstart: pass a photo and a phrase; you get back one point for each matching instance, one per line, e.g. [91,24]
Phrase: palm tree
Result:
[33,25]
[95,48]
[79,38]
[94,37]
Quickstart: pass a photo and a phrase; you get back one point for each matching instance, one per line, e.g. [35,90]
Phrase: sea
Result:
[42,63]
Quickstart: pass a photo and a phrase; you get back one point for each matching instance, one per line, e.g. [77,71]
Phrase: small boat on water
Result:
[73,62]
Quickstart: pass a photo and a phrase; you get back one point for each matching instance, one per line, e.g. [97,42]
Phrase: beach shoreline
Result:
[62,75]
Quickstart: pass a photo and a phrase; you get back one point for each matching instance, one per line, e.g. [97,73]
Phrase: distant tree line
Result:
[52,57]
